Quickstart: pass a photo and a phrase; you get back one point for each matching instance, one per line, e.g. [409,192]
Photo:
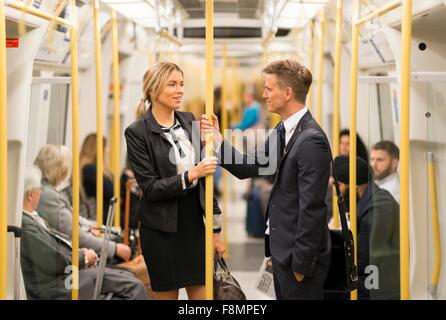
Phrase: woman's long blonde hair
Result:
[89,153]
[154,81]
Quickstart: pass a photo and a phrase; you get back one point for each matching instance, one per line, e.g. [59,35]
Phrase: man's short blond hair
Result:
[291,73]
[54,161]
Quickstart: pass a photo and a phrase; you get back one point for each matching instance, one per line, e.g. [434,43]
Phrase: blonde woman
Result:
[88,168]
[169,172]
[55,164]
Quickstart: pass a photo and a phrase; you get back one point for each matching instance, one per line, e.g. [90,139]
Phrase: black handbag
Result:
[225,285]
[342,275]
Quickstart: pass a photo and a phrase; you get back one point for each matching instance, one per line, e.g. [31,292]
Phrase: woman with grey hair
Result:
[55,164]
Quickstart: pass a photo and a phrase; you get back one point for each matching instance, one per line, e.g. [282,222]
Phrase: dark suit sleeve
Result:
[45,254]
[384,245]
[153,187]
[263,163]
[314,170]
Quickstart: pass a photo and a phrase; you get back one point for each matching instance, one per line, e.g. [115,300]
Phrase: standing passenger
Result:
[298,232]
[171,210]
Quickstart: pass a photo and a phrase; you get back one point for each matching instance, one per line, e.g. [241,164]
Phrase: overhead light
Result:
[139,11]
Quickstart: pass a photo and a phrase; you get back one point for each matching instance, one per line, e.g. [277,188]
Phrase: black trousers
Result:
[288,288]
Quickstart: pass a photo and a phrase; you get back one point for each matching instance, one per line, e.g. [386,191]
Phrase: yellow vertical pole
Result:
[353,107]
[209,149]
[75,151]
[237,88]
[405,149]
[3,156]
[337,92]
[320,80]
[311,95]
[116,129]
[224,126]
[99,142]
[435,223]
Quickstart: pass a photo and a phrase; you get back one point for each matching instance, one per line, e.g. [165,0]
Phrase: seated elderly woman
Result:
[54,162]
[46,257]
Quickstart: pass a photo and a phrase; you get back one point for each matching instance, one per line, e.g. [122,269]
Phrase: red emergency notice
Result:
[12,42]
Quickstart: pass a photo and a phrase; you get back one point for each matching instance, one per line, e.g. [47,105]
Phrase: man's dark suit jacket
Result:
[297,210]
[148,152]
[45,259]
[46,265]
[379,243]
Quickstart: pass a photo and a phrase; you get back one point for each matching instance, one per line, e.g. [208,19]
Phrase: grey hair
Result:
[54,161]
[33,178]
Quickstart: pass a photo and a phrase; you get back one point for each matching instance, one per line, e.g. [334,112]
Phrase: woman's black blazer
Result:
[148,152]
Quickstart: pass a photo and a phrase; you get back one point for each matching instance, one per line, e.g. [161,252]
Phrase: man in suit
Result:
[46,258]
[298,155]
[377,233]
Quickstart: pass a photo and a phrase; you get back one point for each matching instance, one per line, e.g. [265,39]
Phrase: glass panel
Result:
[47,216]
[436,164]
[378,195]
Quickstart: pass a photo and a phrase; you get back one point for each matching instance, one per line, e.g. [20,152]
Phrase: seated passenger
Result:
[87,163]
[377,233]
[344,149]
[344,145]
[46,258]
[54,163]
[384,160]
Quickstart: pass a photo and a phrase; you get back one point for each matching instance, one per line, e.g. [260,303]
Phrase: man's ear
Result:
[394,164]
[288,94]
[29,196]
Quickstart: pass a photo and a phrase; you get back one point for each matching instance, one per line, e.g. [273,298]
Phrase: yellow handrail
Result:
[377,13]
[337,92]
[311,93]
[166,35]
[75,151]
[435,224]
[75,124]
[224,126]
[404,135]
[209,149]
[3,157]
[320,78]
[406,43]
[40,14]
[99,135]
[352,138]
[267,40]
[116,130]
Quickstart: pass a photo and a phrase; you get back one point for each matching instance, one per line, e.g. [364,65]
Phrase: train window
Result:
[57,125]
[47,121]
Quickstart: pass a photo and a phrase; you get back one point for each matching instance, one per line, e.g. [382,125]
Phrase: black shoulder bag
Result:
[342,275]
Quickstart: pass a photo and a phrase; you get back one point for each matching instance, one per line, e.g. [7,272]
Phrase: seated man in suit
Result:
[46,258]
[377,233]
